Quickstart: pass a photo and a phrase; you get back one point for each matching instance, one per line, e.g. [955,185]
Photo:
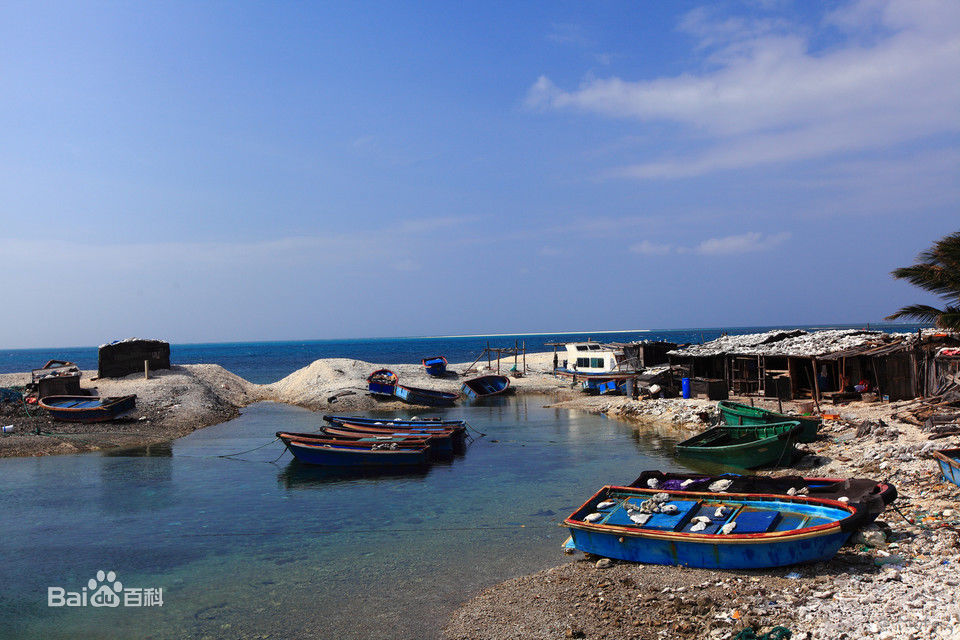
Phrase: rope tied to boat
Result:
[777,633]
[240,453]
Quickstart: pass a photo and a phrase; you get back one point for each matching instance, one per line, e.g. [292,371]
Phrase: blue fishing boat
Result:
[382,382]
[395,422]
[427,397]
[436,367]
[356,455]
[87,408]
[485,386]
[708,530]
[949,461]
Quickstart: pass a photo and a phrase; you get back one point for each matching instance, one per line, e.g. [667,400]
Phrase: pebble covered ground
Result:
[895,579]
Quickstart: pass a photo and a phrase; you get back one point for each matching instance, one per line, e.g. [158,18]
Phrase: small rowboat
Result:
[708,530]
[395,422]
[736,413]
[746,447]
[457,435]
[330,438]
[435,366]
[88,408]
[356,455]
[441,444]
[382,382]
[949,461]
[428,397]
[485,386]
[869,496]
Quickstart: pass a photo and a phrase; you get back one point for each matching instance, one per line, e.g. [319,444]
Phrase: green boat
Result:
[735,413]
[746,447]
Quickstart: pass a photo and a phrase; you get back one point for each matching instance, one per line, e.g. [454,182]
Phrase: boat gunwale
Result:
[766,537]
[943,455]
[353,449]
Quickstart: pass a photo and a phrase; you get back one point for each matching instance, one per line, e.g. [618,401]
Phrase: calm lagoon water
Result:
[260,547]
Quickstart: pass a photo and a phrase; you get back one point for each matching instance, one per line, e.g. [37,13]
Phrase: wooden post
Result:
[146,369]
[524,343]
[516,348]
[816,384]
[488,356]
[759,376]
[498,361]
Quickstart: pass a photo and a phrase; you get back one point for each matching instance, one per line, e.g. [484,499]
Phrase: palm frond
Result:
[934,278]
[922,312]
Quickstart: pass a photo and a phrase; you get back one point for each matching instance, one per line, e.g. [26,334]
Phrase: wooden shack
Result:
[799,364]
[123,357]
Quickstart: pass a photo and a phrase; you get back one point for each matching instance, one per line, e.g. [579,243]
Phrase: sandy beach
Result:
[896,581]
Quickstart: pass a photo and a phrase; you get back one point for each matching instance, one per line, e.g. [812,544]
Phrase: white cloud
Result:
[767,96]
[749,242]
[648,248]
[744,243]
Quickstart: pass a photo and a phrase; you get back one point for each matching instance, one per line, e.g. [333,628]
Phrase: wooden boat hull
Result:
[335,455]
[356,439]
[394,422]
[441,444]
[435,367]
[746,447]
[457,435]
[382,382]
[484,387]
[949,461]
[869,496]
[736,413]
[426,397]
[88,408]
[772,531]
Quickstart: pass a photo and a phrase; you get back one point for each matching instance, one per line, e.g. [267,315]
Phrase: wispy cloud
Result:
[745,243]
[750,242]
[766,95]
[648,248]
[568,33]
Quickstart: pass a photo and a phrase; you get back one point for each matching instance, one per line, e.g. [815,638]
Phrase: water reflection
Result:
[302,476]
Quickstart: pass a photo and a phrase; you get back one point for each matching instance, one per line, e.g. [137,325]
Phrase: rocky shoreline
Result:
[898,579]
[895,579]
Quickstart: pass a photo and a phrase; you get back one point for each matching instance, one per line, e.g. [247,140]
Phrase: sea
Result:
[220,534]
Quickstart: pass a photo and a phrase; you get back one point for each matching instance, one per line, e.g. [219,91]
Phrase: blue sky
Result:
[256,171]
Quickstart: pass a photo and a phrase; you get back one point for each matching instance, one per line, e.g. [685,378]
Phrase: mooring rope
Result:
[240,453]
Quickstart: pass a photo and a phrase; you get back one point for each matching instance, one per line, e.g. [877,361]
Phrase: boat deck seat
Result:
[662,521]
[708,510]
[756,521]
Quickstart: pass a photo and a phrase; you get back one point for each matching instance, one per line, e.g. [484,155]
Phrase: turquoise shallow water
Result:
[244,548]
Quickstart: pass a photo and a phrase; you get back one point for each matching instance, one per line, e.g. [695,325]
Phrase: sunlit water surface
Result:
[258,547]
